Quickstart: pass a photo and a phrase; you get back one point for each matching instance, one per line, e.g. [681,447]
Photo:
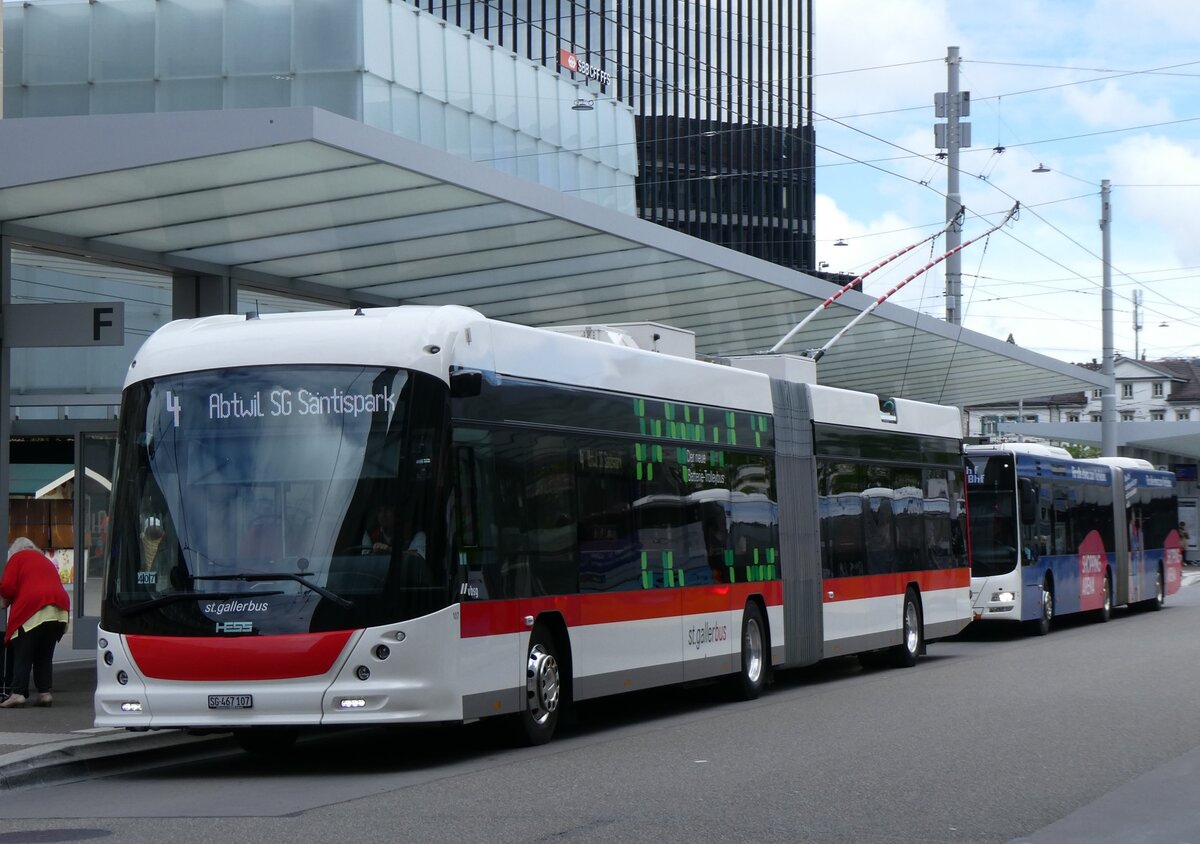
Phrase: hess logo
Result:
[235,627]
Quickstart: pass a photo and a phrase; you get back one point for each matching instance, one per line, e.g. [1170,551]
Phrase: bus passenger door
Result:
[1138,590]
[1033,569]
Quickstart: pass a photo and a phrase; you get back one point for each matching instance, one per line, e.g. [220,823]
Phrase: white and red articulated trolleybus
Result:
[419,514]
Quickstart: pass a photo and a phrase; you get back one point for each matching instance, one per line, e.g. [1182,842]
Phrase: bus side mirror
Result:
[465,384]
[1027,500]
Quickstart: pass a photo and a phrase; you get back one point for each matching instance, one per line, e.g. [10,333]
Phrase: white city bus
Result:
[418,514]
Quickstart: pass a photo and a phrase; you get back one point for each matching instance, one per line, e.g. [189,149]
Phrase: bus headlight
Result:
[1002,597]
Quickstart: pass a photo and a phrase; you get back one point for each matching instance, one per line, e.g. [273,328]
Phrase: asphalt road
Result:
[1084,735]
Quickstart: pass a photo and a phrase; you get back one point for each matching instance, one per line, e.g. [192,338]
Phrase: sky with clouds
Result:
[1092,90]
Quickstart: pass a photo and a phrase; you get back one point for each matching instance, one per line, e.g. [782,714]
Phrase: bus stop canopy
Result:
[304,200]
[1179,438]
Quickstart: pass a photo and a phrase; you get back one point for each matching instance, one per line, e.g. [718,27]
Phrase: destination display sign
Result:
[224,405]
[299,402]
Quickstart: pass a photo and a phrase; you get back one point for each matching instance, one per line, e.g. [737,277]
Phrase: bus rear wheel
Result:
[752,678]
[905,654]
[543,689]
[1105,612]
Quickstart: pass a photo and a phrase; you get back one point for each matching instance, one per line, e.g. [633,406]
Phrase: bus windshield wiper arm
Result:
[251,577]
[175,597]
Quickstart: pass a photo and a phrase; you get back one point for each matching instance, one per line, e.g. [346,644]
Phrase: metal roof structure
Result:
[1177,438]
[304,200]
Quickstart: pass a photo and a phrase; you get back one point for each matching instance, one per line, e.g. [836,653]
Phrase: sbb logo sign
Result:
[572,63]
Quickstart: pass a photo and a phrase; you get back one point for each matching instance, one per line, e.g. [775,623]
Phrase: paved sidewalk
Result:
[50,744]
[69,717]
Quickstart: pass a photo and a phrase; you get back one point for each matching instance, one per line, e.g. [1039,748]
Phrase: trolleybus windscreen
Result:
[991,491]
[269,500]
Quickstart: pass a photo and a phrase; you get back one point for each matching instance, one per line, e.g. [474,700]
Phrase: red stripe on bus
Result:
[493,618]
[240,658]
[882,585]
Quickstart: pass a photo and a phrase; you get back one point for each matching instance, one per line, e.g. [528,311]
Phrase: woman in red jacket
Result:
[37,619]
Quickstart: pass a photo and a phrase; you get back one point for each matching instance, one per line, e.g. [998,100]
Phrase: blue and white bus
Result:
[1051,534]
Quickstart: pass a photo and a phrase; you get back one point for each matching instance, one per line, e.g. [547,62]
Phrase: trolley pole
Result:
[950,136]
[1108,398]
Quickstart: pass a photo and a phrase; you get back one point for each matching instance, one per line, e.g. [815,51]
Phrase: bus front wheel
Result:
[1047,616]
[543,689]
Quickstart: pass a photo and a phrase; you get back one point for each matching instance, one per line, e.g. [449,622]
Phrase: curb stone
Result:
[75,759]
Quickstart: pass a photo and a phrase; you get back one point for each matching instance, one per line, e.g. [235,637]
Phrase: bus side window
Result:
[534,501]
[549,521]
[608,556]
[508,499]
[841,519]
[1027,500]
[475,559]
[1061,535]
[486,544]
[939,542]
[465,502]
[1045,522]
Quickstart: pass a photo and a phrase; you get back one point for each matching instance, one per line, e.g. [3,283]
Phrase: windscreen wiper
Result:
[175,597]
[252,577]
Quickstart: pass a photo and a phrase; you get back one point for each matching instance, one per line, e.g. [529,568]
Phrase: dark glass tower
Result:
[721,93]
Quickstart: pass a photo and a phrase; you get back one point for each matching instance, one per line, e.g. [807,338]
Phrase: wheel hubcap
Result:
[1047,605]
[910,628]
[752,650]
[542,684]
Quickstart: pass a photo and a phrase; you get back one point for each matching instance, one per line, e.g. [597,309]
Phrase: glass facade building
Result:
[693,115]
[392,66]
[721,92]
